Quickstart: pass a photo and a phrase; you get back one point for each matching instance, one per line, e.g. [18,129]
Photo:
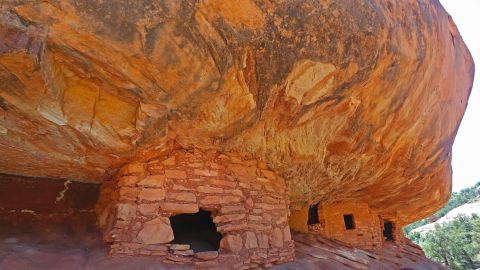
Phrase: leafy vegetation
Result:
[458,198]
[456,243]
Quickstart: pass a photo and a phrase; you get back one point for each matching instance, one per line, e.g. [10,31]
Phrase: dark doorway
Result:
[349,222]
[197,230]
[388,230]
[313,215]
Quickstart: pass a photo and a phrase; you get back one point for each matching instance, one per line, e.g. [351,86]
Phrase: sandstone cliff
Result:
[347,100]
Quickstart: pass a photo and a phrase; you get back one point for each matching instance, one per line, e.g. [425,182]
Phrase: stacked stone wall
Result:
[248,202]
[397,222]
[366,234]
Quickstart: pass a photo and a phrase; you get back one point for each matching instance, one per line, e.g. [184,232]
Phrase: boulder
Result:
[156,231]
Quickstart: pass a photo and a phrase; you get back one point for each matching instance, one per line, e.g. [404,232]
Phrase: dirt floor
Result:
[50,224]
[74,243]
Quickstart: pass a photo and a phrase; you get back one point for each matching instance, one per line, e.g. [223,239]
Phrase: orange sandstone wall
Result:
[249,205]
[298,220]
[369,225]
[367,233]
[398,225]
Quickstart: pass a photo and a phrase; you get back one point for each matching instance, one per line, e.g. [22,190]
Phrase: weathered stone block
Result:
[205,172]
[276,238]
[179,207]
[158,247]
[240,170]
[230,227]
[128,180]
[206,255]
[156,231]
[179,247]
[148,209]
[133,245]
[262,240]
[181,188]
[260,227]
[228,218]
[128,193]
[236,192]
[287,236]
[182,196]
[232,243]
[265,206]
[187,252]
[220,199]
[126,211]
[159,253]
[231,209]
[152,194]
[175,174]
[251,240]
[179,258]
[219,182]
[133,168]
[209,189]
[255,218]
[157,180]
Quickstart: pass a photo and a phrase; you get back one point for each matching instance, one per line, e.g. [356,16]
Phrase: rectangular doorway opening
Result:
[349,222]
[388,230]
[197,230]
[313,215]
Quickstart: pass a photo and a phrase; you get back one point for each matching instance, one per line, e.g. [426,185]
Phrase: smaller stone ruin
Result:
[201,208]
[355,224]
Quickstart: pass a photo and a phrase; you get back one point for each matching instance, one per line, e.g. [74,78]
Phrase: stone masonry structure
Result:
[355,224]
[248,203]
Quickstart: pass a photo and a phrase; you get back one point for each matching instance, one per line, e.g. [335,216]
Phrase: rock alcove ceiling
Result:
[353,101]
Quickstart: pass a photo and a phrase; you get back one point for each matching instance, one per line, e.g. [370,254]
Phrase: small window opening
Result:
[197,230]
[313,215]
[388,230]
[349,222]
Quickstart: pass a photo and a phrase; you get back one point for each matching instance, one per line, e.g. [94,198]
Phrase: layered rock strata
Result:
[349,101]
[315,252]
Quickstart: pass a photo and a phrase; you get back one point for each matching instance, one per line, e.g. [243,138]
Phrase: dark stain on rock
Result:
[3,105]
[46,196]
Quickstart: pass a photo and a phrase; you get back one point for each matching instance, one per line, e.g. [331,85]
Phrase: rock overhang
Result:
[335,96]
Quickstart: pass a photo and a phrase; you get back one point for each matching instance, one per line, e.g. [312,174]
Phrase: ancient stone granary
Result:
[247,201]
[240,112]
[353,223]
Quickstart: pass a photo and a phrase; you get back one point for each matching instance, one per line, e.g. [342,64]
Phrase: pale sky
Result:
[466,149]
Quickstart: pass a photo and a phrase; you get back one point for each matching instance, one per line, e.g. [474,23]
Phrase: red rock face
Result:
[46,212]
[44,197]
[347,100]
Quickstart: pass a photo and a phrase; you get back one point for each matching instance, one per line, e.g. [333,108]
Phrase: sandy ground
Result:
[76,244]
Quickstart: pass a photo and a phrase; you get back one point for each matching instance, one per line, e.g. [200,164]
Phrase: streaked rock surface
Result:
[348,100]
